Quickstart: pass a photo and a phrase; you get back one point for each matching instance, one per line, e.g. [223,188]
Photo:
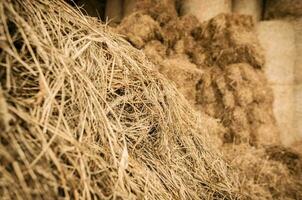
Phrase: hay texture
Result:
[272,172]
[239,97]
[282,8]
[278,40]
[232,88]
[86,116]
[228,39]
[210,47]
[248,7]
[204,10]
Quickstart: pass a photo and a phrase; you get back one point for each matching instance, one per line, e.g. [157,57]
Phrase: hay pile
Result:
[84,116]
[273,172]
[220,63]
[230,85]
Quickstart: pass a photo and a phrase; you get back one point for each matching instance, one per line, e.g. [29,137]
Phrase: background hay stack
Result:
[278,40]
[204,10]
[283,8]
[91,119]
[248,7]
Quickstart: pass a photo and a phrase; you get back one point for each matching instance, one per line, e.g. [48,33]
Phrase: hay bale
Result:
[239,97]
[228,39]
[204,10]
[91,119]
[248,7]
[139,29]
[114,11]
[284,112]
[278,40]
[282,8]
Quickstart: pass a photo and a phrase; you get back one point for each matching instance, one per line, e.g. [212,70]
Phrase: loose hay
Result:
[233,84]
[228,39]
[237,95]
[271,172]
[90,119]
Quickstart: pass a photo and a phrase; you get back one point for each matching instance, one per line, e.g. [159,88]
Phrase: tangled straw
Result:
[85,116]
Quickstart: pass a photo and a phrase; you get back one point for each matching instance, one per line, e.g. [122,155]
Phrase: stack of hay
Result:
[195,56]
[227,81]
[84,116]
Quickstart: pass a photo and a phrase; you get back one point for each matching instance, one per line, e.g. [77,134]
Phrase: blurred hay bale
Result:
[160,10]
[228,39]
[297,24]
[238,95]
[204,10]
[91,119]
[248,7]
[278,39]
[282,8]
[284,109]
[298,111]
[140,29]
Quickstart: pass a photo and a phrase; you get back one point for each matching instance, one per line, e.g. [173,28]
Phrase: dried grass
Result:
[268,172]
[88,118]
